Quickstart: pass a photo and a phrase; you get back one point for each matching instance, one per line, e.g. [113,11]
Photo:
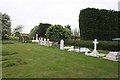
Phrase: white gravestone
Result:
[36,40]
[95,52]
[62,45]
[114,56]
[47,42]
[50,43]
[84,49]
[44,42]
[41,41]
[36,36]
[69,47]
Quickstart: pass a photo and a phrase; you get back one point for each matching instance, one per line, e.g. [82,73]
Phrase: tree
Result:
[18,30]
[6,25]
[40,30]
[17,34]
[33,31]
[57,32]
[68,27]
[0,24]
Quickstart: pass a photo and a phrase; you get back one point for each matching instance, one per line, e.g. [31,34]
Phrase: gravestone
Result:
[62,45]
[50,43]
[41,41]
[68,47]
[36,40]
[36,36]
[114,56]
[95,52]
[84,49]
[44,42]
[47,43]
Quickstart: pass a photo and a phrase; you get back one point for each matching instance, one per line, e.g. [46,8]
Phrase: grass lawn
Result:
[30,60]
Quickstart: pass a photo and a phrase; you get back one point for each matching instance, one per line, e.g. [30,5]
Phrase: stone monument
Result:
[114,56]
[62,44]
[36,36]
[95,52]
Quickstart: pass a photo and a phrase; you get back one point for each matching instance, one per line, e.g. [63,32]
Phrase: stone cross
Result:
[95,44]
[62,44]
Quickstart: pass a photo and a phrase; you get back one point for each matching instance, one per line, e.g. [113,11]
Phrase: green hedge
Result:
[103,45]
[99,23]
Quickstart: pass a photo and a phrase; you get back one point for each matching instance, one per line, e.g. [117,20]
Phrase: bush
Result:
[57,32]
[17,34]
[103,45]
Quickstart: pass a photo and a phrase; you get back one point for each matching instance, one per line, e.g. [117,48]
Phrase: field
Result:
[30,60]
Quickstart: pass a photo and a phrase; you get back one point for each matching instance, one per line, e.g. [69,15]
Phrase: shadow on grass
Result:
[6,53]
[8,62]
[7,42]
[12,62]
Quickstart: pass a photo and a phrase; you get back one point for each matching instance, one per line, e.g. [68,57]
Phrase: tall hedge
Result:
[103,45]
[101,24]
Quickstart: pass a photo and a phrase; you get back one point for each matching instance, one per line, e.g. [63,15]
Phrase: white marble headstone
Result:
[44,42]
[62,45]
[47,43]
[36,36]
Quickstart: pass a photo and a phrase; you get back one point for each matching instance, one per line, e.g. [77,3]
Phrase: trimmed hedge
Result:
[103,45]
[99,23]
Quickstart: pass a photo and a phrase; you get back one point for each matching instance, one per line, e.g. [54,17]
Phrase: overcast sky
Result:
[30,13]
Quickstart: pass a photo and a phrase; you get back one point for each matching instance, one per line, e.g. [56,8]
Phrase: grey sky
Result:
[31,12]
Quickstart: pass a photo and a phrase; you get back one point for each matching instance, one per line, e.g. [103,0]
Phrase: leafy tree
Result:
[40,30]
[0,24]
[6,25]
[68,26]
[18,28]
[33,32]
[57,32]
[17,34]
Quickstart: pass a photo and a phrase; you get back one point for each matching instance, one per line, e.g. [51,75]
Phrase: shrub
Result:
[17,34]
[103,45]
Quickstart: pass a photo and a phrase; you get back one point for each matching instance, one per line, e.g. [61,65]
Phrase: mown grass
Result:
[34,61]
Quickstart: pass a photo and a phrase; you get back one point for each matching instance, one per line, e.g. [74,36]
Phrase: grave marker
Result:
[62,45]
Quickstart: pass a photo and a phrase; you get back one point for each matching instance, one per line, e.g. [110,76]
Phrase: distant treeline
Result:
[101,24]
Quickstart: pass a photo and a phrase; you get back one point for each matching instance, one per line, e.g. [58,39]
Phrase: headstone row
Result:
[45,42]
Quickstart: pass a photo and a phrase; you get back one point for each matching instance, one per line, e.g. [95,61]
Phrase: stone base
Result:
[94,53]
[35,40]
